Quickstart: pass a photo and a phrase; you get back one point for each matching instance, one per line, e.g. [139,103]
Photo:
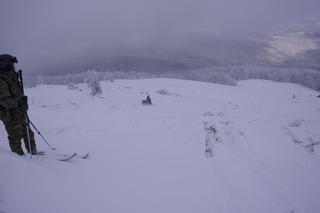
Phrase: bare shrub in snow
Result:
[312,143]
[178,95]
[296,123]
[72,86]
[164,92]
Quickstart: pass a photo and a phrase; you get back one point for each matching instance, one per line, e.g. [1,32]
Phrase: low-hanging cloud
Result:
[42,29]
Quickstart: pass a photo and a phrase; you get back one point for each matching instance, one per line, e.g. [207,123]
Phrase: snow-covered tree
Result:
[39,80]
[93,82]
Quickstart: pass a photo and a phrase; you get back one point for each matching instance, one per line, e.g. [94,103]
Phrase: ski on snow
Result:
[84,156]
[66,157]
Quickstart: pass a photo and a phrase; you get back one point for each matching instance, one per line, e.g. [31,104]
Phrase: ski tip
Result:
[85,156]
[67,157]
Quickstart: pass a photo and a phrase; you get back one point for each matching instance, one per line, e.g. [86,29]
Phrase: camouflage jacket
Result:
[10,90]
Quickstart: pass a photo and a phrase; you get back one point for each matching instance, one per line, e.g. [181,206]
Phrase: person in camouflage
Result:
[13,107]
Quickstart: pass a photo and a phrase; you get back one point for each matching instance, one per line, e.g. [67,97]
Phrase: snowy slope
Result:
[152,158]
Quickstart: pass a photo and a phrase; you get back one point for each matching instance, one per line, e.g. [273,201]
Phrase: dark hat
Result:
[8,59]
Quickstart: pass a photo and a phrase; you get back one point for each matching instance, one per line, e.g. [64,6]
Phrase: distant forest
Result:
[221,61]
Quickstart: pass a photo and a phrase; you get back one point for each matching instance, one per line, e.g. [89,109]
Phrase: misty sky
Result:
[38,28]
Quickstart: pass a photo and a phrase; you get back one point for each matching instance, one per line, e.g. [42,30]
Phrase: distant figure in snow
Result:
[14,106]
[147,101]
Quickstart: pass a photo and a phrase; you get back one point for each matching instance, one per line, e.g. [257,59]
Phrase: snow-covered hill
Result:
[265,156]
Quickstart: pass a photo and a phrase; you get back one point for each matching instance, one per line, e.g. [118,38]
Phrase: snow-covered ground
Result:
[148,159]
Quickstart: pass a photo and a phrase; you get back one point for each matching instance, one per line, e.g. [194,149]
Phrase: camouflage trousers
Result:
[16,127]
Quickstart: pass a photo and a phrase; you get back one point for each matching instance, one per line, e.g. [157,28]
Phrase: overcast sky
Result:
[35,28]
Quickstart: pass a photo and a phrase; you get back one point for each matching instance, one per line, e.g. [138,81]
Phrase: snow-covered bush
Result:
[39,80]
[93,82]
[72,86]
[164,92]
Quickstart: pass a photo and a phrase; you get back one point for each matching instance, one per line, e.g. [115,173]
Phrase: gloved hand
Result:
[24,102]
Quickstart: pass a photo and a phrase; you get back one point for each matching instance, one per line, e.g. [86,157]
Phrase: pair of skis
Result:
[67,157]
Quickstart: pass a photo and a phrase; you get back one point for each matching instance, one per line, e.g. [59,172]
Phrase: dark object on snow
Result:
[147,101]
[318,96]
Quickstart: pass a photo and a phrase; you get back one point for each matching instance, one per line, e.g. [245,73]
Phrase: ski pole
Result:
[35,128]
[28,134]
[26,115]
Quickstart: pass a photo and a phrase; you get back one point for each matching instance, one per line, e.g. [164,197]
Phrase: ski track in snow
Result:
[264,147]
